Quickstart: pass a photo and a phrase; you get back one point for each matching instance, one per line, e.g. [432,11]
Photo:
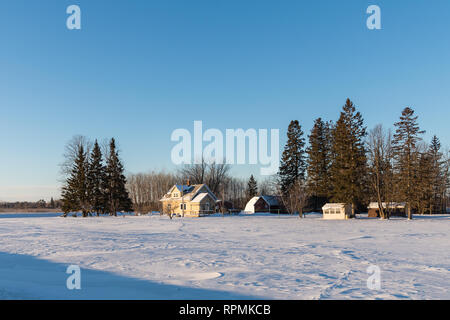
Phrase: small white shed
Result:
[337,211]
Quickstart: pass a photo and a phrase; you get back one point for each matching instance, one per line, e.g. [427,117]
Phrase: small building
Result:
[189,200]
[223,206]
[272,204]
[337,211]
[397,209]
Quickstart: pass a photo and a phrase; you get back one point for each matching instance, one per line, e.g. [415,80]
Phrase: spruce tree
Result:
[293,164]
[75,191]
[423,177]
[97,180]
[438,176]
[116,192]
[405,140]
[349,165]
[318,163]
[252,188]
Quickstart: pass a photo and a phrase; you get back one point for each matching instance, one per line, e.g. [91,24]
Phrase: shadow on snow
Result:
[28,277]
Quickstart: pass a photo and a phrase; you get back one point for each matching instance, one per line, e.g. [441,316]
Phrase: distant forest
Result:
[40,205]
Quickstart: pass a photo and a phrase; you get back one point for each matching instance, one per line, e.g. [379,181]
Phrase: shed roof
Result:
[391,205]
[334,206]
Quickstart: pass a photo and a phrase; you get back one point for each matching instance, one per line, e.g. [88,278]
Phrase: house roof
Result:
[184,188]
[188,192]
[199,197]
[271,200]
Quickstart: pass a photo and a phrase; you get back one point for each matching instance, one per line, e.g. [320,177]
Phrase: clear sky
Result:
[137,70]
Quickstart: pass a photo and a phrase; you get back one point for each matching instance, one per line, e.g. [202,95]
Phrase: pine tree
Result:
[293,164]
[318,163]
[116,192]
[252,188]
[97,180]
[406,137]
[349,165]
[75,192]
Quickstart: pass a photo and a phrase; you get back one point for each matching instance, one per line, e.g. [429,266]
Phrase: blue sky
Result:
[137,70]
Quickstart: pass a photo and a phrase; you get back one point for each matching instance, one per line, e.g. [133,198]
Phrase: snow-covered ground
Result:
[238,257]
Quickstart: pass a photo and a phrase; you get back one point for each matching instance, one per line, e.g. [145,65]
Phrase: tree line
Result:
[346,163]
[27,205]
[94,180]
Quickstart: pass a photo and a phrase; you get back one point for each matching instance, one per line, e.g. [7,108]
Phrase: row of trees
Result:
[40,204]
[93,183]
[345,163]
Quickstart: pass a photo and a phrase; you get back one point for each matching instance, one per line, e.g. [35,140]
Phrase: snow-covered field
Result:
[238,257]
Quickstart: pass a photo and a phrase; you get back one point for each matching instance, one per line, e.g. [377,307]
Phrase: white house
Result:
[337,211]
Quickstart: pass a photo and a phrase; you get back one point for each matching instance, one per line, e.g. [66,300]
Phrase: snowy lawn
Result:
[237,257]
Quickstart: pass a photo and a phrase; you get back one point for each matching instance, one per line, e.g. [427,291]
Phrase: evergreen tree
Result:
[116,192]
[252,188]
[438,182]
[348,168]
[293,164]
[52,203]
[75,192]
[423,180]
[97,180]
[406,137]
[318,163]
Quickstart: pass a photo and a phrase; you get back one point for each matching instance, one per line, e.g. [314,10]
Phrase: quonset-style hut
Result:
[272,204]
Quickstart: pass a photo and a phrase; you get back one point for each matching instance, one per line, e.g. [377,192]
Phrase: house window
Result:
[183,206]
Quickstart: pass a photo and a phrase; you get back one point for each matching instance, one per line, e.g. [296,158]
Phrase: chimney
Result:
[188,183]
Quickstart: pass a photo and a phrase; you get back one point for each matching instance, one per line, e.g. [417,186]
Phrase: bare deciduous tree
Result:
[379,154]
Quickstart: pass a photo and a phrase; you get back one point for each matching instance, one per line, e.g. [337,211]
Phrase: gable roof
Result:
[184,188]
[188,192]
[271,200]
[199,197]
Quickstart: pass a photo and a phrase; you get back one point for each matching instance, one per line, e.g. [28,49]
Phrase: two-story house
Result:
[189,200]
